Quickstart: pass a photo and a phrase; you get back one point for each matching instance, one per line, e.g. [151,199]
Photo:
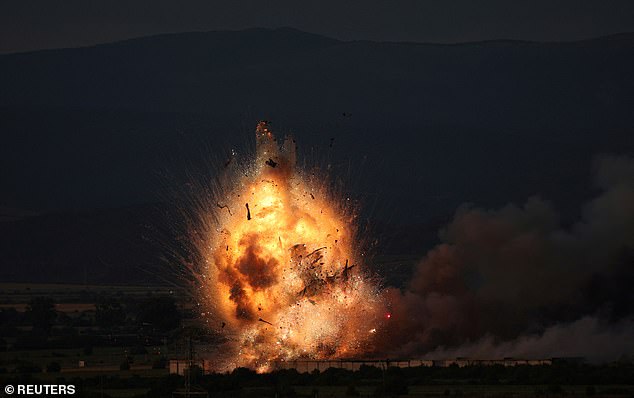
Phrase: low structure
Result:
[310,365]
[179,366]
[349,364]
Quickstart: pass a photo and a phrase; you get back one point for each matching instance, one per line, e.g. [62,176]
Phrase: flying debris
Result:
[230,158]
[345,273]
[248,211]
[224,207]
[271,162]
[263,321]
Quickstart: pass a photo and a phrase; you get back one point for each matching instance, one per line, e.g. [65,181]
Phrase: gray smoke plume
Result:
[588,335]
[514,281]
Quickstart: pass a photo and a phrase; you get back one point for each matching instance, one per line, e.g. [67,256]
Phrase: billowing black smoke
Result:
[515,282]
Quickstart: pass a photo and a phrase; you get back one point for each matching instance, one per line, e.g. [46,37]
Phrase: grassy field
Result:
[20,293]
[493,391]
[102,358]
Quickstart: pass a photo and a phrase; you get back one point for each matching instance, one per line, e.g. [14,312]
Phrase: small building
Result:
[569,360]
[540,362]
[421,362]
[461,362]
[179,366]
[441,363]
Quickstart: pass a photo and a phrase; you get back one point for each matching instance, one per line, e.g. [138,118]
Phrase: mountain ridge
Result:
[85,128]
[190,34]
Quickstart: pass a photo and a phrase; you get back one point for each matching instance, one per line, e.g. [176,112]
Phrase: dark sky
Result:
[35,24]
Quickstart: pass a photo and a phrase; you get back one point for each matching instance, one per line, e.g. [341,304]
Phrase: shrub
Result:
[352,391]
[53,367]
[159,363]
[27,367]
[138,350]
[555,389]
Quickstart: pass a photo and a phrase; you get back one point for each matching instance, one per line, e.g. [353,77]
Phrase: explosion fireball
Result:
[283,273]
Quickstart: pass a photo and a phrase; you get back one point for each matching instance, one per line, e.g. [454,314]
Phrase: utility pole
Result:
[190,357]
[190,390]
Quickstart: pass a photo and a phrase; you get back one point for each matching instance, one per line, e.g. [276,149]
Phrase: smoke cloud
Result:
[605,342]
[516,282]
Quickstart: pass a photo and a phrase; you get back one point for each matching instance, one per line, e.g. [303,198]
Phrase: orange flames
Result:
[283,273]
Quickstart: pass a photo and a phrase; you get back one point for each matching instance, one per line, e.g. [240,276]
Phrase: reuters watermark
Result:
[39,389]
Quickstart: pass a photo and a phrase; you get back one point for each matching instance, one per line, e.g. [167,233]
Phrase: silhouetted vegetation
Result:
[591,380]
[160,313]
[53,367]
[142,330]
[41,311]
[109,313]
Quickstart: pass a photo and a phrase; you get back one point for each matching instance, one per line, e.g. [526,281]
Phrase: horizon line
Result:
[288,28]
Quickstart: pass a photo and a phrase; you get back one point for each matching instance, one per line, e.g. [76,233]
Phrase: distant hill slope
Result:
[419,128]
[499,83]
[144,245]
[121,246]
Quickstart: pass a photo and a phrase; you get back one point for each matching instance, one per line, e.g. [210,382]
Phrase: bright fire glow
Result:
[283,272]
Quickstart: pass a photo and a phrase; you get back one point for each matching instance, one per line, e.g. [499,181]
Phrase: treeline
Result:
[114,321]
[242,382]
